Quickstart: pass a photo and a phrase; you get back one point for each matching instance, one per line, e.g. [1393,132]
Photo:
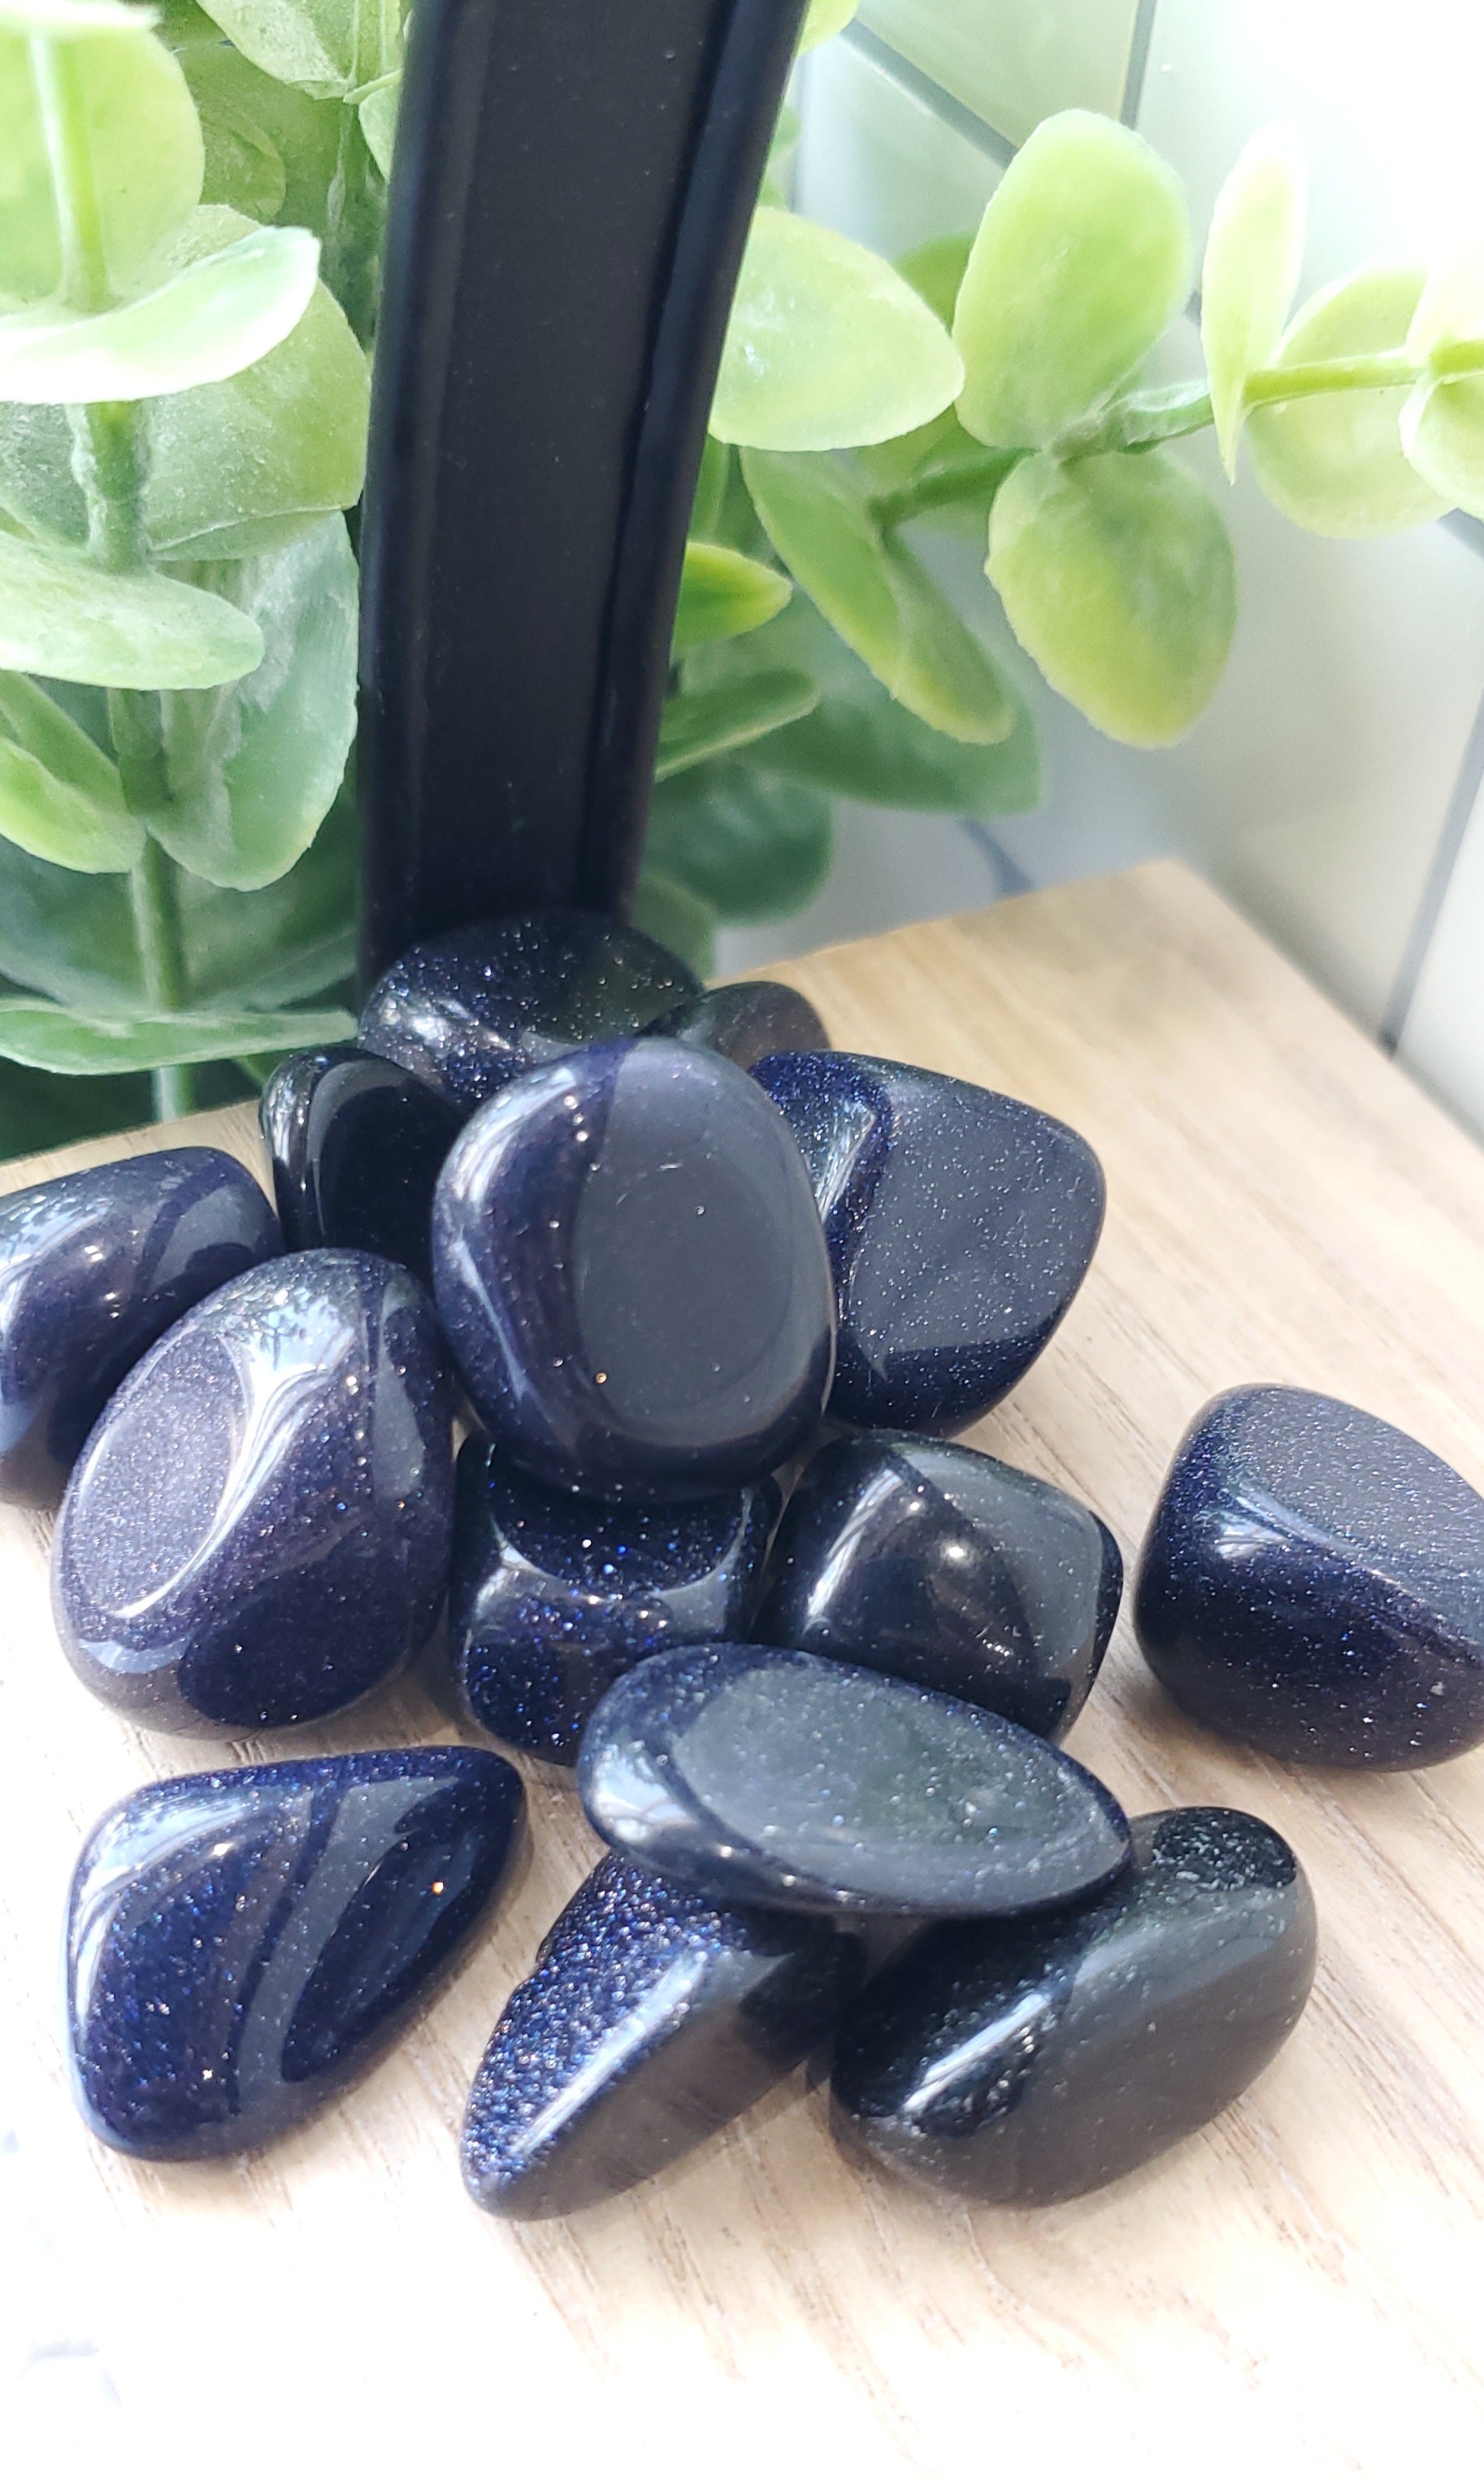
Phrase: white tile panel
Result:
[889,867]
[877,163]
[1443,1037]
[1014,61]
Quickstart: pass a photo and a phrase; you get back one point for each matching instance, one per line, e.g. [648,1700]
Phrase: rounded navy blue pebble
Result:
[357,1145]
[93,1267]
[745,1022]
[631,1268]
[1313,1583]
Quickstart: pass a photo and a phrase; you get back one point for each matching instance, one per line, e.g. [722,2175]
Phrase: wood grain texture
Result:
[1300,2282]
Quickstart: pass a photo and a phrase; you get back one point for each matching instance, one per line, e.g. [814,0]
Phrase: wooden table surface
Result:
[1302,2282]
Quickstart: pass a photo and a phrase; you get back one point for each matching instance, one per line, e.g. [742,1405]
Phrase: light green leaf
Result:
[271,946]
[1334,463]
[1443,419]
[232,94]
[724,594]
[679,920]
[1253,252]
[29,715]
[1081,262]
[706,723]
[823,18]
[254,767]
[753,849]
[936,269]
[327,46]
[878,595]
[143,142]
[827,346]
[1117,575]
[379,123]
[244,165]
[206,323]
[41,1035]
[60,823]
[69,621]
[63,21]
[68,936]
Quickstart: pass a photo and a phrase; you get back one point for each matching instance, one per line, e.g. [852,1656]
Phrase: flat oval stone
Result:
[960,1224]
[1020,2062]
[632,1271]
[650,2020]
[752,1775]
[553,1597]
[949,1568]
[241,1945]
[93,1268]
[1313,1583]
[357,1145]
[745,1022]
[259,1528]
[470,1011]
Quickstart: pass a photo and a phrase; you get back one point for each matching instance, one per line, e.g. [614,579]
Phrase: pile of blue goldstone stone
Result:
[710,1300]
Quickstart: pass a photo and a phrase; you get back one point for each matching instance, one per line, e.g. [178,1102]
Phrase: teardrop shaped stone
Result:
[357,1145]
[471,1010]
[745,1022]
[1018,2062]
[241,1945]
[757,1775]
[650,2019]
[93,1268]
[259,1528]
[961,1224]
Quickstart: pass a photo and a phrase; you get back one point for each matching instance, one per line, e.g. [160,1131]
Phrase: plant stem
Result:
[154,895]
[60,103]
[1286,381]
[944,485]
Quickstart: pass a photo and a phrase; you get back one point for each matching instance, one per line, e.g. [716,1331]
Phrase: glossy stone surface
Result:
[259,1528]
[1313,1583]
[632,1271]
[554,1598]
[476,1008]
[949,1568]
[240,1945]
[758,1775]
[1024,2062]
[93,1268]
[357,1145]
[746,1022]
[650,2020]
[960,1224]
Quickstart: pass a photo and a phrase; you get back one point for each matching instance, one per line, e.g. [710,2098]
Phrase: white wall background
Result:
[1334,786]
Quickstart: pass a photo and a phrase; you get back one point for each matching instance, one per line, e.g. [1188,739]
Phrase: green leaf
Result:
[41,1035]
[327,46]
[1443,419]
[57,823]
[1253,252]
[679,920]
[144,144]
[1081,262]
[233,95]
[708,722]
[936,269]
[36,719]
[1335,463]
[68,936]
[63,21]
[378,122]
[244,165]
[205,323]
[823,18]
[878,595]
[724,594]
[753,849]
[827,346]
[254,767]
[711,484]
[69,621]
[1117,575]
[271,946]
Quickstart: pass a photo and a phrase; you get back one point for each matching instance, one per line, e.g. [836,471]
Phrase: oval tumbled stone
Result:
[1024,2062]
[757,1775]
[259,1528]
[357,1145]
[746,1022]
[631,1268]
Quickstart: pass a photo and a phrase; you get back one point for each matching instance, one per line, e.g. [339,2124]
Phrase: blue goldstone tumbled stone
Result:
[92,1269]
[553,1597]
[650,2020]
[470,1011]
[960,1224]
[357,1145]
[259,1528]
[240,1945]
[949,1568]
[1019,2062]
[1313,1583]
[632,1271]
[746,1022]
[757,1775]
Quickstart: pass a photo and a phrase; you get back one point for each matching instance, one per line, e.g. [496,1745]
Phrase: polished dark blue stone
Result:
[757,1775]
[948,1568]
[553,1597]
[631,1268]
[259,1528]
[960,1224]
[471,1010]
[651,2017]
[1313,1583]
[92,1269]
[357,1145]
[1019,2062]
[240,1945]
[745,1022]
